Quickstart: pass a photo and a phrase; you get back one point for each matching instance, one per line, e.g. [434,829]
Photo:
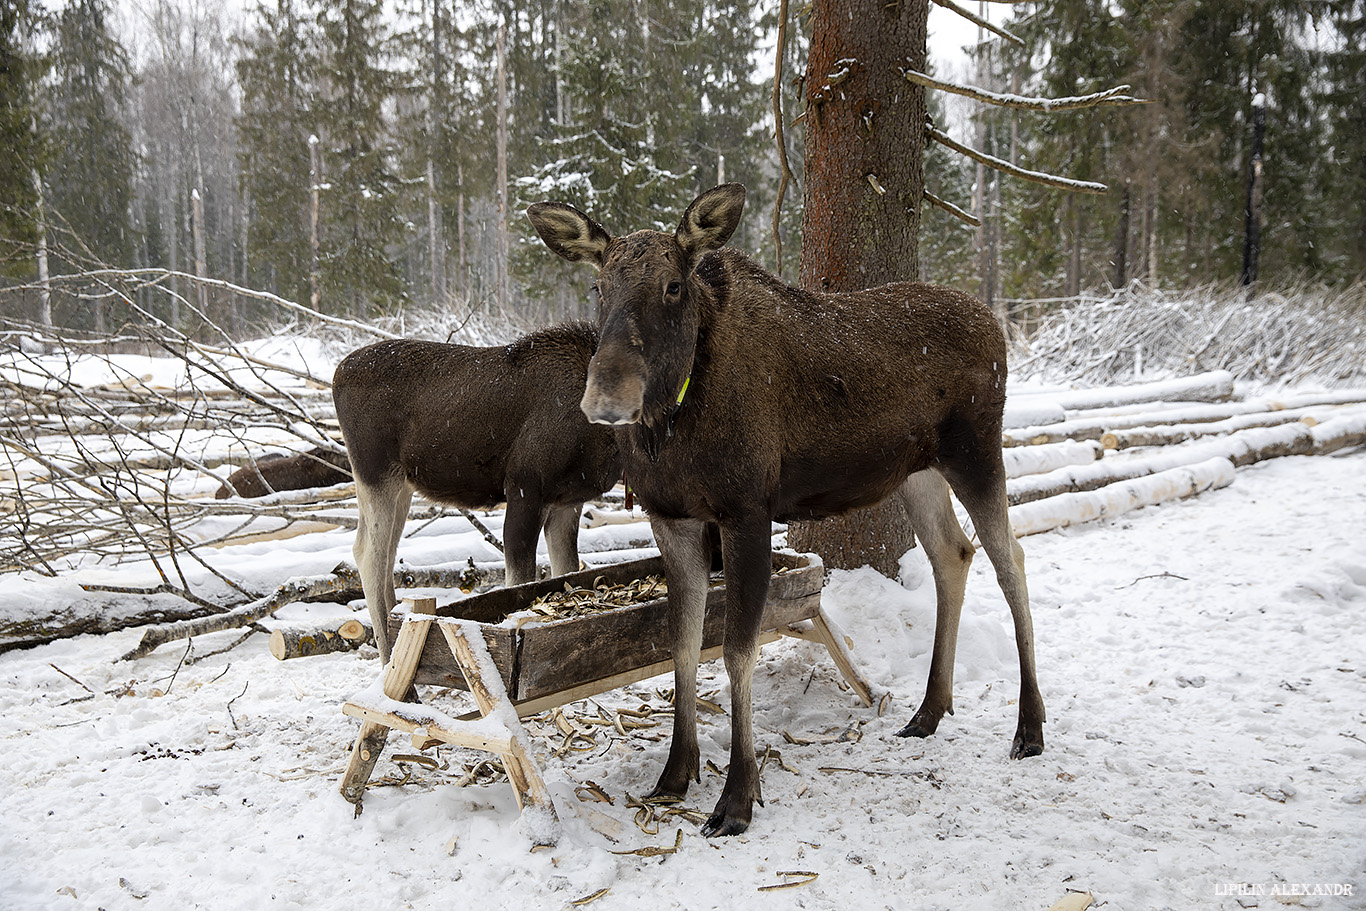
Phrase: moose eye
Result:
[674,288]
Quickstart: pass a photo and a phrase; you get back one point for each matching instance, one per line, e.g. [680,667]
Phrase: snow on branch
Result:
[1111,97]
[1005,167]
[951,209]
[978,20]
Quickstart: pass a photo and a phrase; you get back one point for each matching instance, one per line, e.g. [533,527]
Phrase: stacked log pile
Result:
[1113,450]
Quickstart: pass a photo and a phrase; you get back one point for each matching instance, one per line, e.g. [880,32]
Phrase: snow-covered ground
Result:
[1203,664]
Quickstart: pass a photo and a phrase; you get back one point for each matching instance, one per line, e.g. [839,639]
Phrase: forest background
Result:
[368,157]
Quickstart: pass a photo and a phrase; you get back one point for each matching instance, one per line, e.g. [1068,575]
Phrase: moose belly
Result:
[817,488]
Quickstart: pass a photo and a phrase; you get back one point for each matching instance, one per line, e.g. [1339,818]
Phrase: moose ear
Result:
[711,220]
[569,233]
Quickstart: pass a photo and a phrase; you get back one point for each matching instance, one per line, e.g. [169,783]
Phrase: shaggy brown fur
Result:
[796,405]
[472,427]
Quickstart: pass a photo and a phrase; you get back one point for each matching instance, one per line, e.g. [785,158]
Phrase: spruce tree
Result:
[25,156]
[91,174]
[362,220]
[277,75]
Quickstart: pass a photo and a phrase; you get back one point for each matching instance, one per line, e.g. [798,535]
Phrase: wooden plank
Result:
[398,676]
[616,681]
[407,725]
[557,656]
[467,645]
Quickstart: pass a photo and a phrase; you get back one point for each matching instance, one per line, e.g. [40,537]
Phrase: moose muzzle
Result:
[615,393]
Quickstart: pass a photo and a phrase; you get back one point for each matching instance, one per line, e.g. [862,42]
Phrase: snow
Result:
[1201,662]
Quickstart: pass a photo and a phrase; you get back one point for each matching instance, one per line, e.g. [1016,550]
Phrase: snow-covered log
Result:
[1032,411]
[1117,499]
[1215,386]
[1166,435]
[1242,448]
[1027,460]
[1339,433]
[1094,426]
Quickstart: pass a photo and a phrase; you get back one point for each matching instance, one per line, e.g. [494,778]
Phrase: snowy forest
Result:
[366,157]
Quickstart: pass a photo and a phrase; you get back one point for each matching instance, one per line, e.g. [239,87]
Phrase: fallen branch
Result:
[344,578]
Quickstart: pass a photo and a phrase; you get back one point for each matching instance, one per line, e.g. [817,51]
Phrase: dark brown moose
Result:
[738,399]
[472,427]
[273,473]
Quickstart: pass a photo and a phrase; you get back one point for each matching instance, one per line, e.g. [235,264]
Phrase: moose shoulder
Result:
[738,399]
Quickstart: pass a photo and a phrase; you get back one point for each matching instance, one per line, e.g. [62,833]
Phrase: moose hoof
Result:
[922,725]
[719,824]
[1026,746]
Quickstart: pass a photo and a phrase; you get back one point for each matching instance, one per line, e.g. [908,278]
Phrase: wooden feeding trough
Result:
[516,659]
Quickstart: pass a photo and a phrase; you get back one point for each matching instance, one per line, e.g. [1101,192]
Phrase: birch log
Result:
[1215,386]
[1093,427]
[1027,460]
[344,578]
[1117,499]
[1242,448]
[1339,433]
[303,642]
[1166,435]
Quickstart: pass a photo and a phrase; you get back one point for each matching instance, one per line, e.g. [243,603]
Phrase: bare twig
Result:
[978,20]
[991,161]
[1111,97]
[951,209]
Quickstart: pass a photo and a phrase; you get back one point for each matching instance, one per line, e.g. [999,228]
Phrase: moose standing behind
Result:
[473,427]
[739,400]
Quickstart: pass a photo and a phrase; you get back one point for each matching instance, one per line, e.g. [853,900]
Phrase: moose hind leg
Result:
[382,510]
[683,544]
[926,497]
[984,498]
[562,539]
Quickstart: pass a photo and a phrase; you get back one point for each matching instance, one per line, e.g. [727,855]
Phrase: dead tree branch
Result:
[1005,167]
[1111,97]
[978,20]
[952,209]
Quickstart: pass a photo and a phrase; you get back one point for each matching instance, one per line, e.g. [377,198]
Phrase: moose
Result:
[740,400]
[472,427]
[273,473]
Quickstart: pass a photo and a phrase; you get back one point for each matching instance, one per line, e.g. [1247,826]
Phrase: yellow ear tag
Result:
[684,391]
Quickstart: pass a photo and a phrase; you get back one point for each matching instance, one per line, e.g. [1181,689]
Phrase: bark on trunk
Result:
[864,183]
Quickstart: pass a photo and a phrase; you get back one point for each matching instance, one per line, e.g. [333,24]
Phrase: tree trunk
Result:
[44,281]
[865,138]
[1252,240]
[502,189]
[1122,241]
[314,177]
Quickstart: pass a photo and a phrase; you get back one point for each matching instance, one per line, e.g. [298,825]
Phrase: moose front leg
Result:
[683,544]
[748,565]
[521,529]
